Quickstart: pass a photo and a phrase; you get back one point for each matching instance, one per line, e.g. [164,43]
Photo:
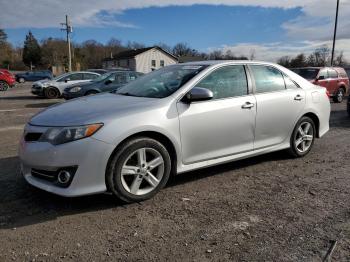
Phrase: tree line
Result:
[90,54]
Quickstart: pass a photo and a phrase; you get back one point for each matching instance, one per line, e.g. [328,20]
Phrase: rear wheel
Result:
[51,92]
[339,95]
[4,86]
[303,137]
[138,170]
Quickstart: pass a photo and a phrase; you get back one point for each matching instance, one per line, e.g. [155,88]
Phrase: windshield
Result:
[307,73]
[60,76]
[102,77]
[161,83]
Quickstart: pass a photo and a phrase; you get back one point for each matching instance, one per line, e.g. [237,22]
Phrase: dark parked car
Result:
[105,83]
[334,79]
[33,76]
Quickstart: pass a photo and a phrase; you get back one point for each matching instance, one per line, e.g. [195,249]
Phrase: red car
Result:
[334,79]
[6,80]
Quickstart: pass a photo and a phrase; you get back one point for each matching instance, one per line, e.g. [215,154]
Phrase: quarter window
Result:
[332,73]
[228,81]
[323,73]
[267,79]
[290,84]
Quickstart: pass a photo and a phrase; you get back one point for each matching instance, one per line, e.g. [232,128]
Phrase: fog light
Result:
[63,177]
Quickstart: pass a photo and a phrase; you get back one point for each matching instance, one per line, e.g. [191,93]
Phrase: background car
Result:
[335,79]
[33,76]
[176,119]
[6,80]
[108,82]
[54,88]
[98,71]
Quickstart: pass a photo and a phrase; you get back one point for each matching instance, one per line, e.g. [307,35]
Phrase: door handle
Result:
[298,98]
[247,105]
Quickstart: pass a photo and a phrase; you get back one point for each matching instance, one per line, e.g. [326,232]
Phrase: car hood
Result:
[93,109]
[40,82]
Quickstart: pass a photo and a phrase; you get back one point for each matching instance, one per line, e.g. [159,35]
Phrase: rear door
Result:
[222,126]
[333,81]
[279,104]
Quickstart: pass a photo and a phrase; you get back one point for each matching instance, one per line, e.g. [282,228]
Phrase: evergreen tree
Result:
[3,37]
[31,51]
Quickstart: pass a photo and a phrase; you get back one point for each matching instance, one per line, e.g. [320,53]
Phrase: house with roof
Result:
[142,60]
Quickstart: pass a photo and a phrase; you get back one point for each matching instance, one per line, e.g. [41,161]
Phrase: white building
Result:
[142,60]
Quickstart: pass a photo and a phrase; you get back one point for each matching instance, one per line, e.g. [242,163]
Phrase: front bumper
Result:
[68,95]
[89,156]
[37,90]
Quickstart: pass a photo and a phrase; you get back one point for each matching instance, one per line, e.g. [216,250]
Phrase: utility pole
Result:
[69,29]
[335,32]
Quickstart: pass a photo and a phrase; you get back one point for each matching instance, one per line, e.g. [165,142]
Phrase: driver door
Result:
[222,126]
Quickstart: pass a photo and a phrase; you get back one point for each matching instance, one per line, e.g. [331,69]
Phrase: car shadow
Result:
[20,97]
[41,105]
[22,205]
[340,119]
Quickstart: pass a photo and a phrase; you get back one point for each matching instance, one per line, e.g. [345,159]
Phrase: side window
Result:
[332,73]
[324,73]
[132,76]
[75,77]
[120,78]
[267,79]
[89,76]
[290,84]
[228,81]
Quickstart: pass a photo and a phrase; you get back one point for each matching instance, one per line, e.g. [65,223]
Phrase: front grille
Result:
[32,137]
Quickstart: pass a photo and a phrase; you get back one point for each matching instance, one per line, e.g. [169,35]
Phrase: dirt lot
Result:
[268,208]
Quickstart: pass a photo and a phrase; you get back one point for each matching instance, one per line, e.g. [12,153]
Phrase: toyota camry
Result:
[179,118]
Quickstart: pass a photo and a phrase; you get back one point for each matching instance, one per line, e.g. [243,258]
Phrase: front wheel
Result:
[4,86]
[138,170]
[339,96]
[51,92]
[303,137]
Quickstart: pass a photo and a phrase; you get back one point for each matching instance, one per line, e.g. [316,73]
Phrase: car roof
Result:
[223,62]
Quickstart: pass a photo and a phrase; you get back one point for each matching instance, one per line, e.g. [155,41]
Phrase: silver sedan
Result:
[173,120]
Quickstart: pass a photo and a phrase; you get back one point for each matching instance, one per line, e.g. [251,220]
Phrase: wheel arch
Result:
[92,90]
[316,120]
[163,139]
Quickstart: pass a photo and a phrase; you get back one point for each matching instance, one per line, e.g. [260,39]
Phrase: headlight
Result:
[61,135]
[75,89]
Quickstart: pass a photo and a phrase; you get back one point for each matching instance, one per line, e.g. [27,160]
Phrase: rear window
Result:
[342,72]
[307,73]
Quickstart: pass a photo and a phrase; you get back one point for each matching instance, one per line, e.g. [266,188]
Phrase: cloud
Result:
[273,51]
[49,13]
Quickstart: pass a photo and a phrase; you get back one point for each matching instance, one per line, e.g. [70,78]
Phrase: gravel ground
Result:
[267,208]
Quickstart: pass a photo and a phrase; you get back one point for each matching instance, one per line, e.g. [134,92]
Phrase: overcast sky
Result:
[271,28]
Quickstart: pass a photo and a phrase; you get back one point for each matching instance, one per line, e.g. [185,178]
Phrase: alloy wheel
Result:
[3,86]
[142,171]
[304,137]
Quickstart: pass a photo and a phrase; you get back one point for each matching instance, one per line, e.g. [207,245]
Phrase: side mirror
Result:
[109,81]
[67,79]
[320,78]
[198,94]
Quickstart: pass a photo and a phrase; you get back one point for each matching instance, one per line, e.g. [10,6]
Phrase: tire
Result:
[21,80]
[339,96]
[138,183]
[91,92]
[4,86]
[51,93]
[302,142]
